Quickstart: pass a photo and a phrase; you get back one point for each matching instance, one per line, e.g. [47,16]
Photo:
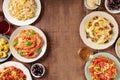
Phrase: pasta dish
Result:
[12,73]
[99,30]
[28,43]
[103,68]
[22,9]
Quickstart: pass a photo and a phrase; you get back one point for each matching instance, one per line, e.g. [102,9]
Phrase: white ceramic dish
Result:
[90,43]
[91,8]
[18,22]
[117,49]
[14,52]
[111,11]
[9,53]
[87,73]
[38,65]
[18,65]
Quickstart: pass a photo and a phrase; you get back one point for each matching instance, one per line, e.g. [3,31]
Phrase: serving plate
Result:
[117,49]
[111,11]
[9,53]
[18,22]
[14,52]
[18,65]
[90,43]
[87,73]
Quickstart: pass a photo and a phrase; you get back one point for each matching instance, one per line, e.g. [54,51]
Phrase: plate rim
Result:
[26,60]
[106,54]
[14,21]
[92,44]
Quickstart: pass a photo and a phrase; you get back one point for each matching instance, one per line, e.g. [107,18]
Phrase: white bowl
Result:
[14,52]
[17,65]
[117,49]
[90,43]
[91,8]
[18,22]
[110,11]
[38,65]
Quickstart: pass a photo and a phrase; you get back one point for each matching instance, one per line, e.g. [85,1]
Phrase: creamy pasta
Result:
[22,9]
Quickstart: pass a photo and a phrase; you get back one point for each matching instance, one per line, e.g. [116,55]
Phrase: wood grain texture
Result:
[60,21]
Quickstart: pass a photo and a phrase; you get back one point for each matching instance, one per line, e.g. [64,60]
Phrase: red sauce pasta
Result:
[12,73]
[28,43]
[103,68]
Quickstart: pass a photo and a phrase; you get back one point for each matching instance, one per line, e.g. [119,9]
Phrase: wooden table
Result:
[60,21]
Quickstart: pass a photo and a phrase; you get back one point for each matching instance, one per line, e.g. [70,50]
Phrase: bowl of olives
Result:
[112,6]
[37,70]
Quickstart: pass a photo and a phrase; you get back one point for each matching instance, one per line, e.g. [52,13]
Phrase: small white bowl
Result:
[91,8]
[40,65]
[117,48]
[110,11]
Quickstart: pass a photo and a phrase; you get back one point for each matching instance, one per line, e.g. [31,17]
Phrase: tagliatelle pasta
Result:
[22,9]
[99,30]
[103,68]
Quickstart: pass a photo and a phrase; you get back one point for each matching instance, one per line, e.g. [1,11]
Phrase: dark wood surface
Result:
[60,21]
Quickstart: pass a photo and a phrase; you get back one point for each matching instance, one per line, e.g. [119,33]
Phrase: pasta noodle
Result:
[103,68]
[99,30]
[22,9]
[28,43]
[12,73]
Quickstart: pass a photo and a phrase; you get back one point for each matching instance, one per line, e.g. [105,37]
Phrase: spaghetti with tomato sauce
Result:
[103,68]
[28,43]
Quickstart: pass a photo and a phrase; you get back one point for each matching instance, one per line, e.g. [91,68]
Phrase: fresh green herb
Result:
[31,33]
[99,70]
[15,43]
[38,50]
[28,43]
[20,52]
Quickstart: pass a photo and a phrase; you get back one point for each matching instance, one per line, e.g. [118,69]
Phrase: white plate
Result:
[9,53]
[18,65]
[87,74]
[117,50]
[83,34]
[14,52]
[18,22]
[111,11]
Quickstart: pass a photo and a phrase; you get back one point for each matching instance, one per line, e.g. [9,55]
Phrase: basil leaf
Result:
[15,43]
[28,43]
[38,50]
[31,33]
[20,52]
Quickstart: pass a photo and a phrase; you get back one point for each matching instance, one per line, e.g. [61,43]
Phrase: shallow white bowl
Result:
[17,65]
[14,52]
[18,22]
[90,43]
